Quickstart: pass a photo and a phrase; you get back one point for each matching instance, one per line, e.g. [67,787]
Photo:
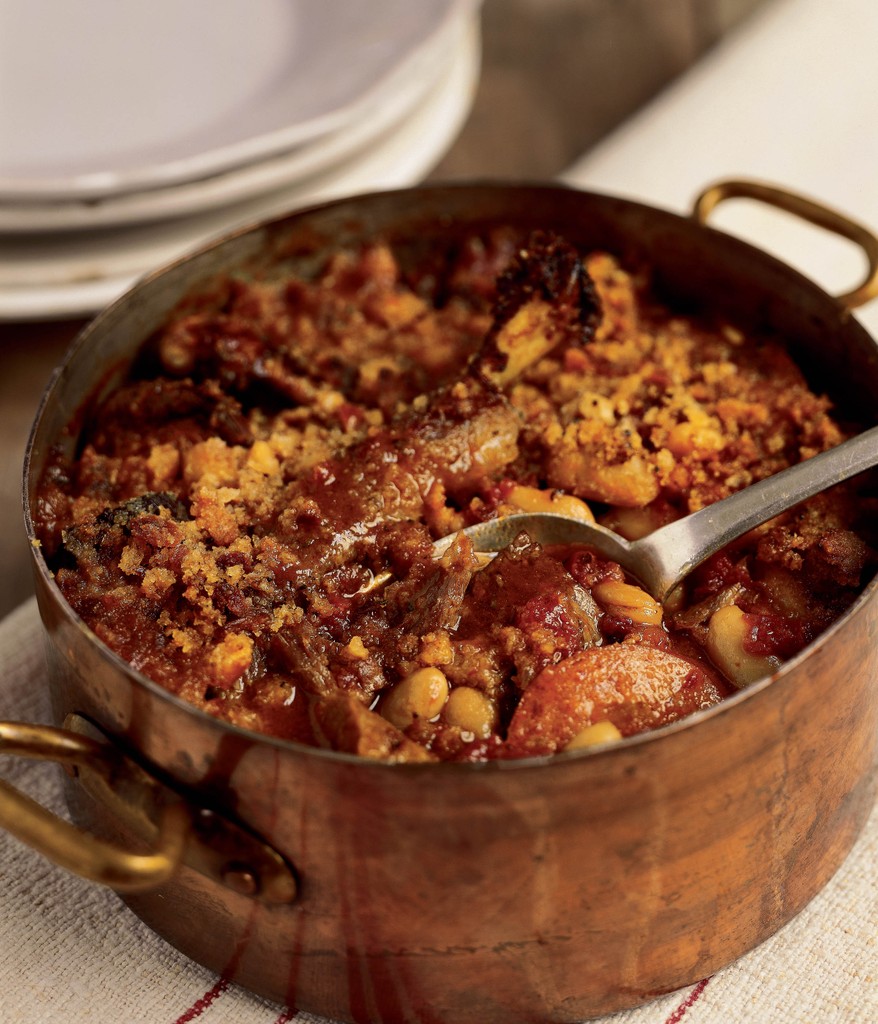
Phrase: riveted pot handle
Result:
[179,831]
[68,846]
[808,209]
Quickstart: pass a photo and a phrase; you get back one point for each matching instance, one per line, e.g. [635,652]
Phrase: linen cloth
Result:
[72,953]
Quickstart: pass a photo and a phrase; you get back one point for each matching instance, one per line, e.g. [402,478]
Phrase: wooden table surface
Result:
[556,76]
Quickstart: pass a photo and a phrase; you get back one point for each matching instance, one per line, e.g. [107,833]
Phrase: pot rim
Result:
[616,749]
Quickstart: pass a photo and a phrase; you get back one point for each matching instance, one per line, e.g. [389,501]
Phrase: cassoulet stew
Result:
[249,519]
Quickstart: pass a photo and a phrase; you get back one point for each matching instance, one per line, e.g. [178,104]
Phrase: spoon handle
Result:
[707,531]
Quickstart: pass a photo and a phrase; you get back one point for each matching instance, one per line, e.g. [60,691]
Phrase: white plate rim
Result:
[95,185]
[393,163]
[74,213]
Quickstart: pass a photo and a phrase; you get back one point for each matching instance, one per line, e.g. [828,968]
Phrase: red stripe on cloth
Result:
[688,1002]
[286,1016]
[200,1005]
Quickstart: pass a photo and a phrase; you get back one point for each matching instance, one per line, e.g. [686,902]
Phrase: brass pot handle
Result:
[808,209]
[69,846]
[180,831]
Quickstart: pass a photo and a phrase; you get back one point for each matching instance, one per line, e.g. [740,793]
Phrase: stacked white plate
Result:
[134,132]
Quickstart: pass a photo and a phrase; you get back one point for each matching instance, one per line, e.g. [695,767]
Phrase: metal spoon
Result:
[662,559]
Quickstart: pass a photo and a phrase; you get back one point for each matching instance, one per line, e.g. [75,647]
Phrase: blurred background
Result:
[637,97]
[557,75]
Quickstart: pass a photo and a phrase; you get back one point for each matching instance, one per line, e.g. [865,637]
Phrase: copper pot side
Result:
[537,890]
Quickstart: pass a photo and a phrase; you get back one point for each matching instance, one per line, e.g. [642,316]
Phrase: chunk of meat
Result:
[464,436]
[344,723]
[544,298]
[467,435]
[142,414]
[524,612]
[635,688]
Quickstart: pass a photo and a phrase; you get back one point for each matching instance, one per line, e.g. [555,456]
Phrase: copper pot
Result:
[542,890]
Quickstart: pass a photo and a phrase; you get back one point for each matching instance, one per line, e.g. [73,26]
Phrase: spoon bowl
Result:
[662,559]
